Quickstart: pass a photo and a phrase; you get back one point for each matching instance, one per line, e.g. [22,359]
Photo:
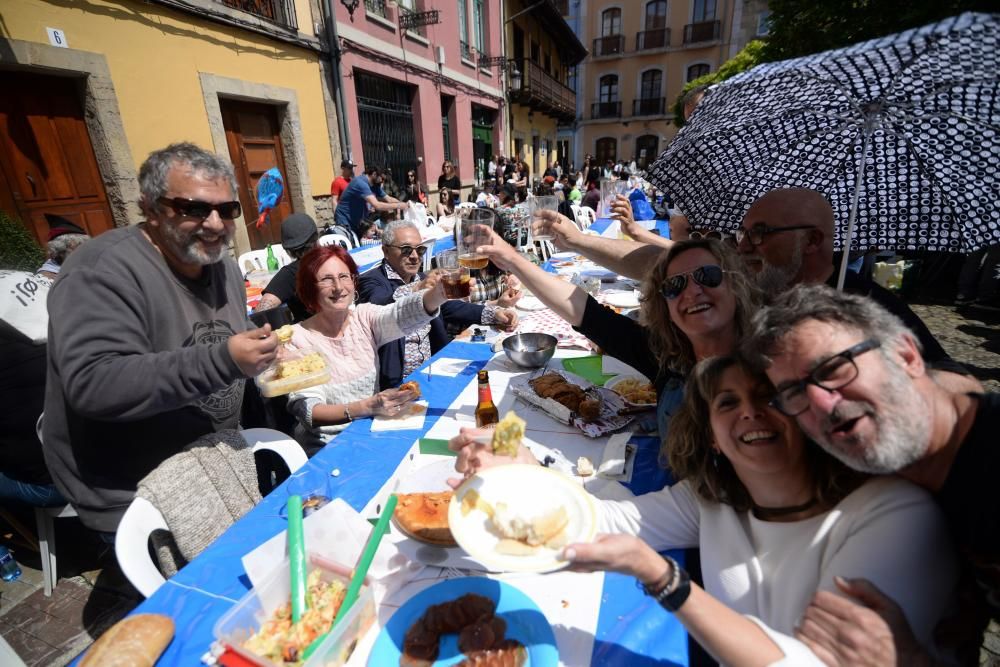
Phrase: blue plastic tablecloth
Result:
[631,630]
[601,224]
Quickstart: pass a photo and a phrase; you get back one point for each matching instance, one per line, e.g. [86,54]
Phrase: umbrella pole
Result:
[854,209]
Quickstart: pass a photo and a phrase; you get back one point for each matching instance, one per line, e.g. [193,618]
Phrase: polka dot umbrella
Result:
[901,133]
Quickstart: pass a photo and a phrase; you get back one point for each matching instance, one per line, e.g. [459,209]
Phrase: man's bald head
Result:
[804,253]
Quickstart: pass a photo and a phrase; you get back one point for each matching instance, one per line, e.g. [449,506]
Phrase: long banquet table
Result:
[630,629]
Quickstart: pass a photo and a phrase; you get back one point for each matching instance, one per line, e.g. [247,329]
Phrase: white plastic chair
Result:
[336,239]
[584,216]
[258,258]
[141,518]
[464,205]
[45,526]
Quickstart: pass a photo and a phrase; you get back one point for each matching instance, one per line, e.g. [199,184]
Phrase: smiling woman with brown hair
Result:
[776,518]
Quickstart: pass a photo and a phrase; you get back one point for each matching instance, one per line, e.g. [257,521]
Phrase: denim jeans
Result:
[36,495]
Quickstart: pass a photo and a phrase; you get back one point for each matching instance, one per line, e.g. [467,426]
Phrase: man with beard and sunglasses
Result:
[148,339]
[853,376]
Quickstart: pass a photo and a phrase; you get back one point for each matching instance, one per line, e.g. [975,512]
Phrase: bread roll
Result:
[136,641]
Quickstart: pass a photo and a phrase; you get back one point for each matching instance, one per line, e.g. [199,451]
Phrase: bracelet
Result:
[672,596]
[347,412]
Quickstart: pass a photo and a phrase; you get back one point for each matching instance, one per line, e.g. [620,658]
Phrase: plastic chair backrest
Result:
[336,239]
[258,258]
[142,518]
[585,217]
[467,204]
[132,545]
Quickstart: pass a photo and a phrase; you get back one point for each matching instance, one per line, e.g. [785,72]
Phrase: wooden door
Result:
[254,147]
[46,158]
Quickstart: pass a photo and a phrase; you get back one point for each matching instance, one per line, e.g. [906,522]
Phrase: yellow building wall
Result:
[155,56]
[524,128]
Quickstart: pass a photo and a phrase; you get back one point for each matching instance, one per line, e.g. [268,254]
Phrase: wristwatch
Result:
[676,591]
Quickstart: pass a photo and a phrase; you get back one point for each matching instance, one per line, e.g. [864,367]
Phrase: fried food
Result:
[508,434]
[424,516]
[567,394]
[589,409]
[635,390]
[412,385]
[472,616]
[509,653]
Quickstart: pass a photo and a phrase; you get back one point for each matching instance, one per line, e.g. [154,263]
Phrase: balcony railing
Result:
[466,51]
[706,31]
[281,12]
[376,7]
[652,39]
[541,92]
[648,106]
[609,46]
[606,110]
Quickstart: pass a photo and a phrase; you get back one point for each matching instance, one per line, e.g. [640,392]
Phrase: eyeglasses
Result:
[832,373]
[333,281]
[755,235]
[407,250]
[709,275]
[193,208]
[697,234]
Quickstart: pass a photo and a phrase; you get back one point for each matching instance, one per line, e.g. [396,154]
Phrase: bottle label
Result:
[485,395]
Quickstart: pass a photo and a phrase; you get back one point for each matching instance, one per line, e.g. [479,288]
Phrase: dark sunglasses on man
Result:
[193,208]
[709,275]
[407,250]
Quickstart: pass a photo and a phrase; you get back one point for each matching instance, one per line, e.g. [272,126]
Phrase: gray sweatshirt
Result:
[138,368]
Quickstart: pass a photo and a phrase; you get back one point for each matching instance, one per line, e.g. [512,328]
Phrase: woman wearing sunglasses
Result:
[778,520]
[445,205]
[349,336]
[695,304]
[449,178]
[413,190]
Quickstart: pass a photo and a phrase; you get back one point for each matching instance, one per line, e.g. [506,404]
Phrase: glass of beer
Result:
[539,204]
[473,231]
[455,277]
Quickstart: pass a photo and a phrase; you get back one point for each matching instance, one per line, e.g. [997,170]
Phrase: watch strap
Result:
[675,593]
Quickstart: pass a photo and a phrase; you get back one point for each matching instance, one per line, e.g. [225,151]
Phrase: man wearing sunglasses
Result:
[399,275]
[853,376]
[148,340]
[364,190]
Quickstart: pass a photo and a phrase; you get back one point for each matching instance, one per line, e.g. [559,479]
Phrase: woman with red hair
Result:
[349,335]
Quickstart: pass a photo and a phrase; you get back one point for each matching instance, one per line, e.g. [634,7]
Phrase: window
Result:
[611,22]
[763,23]
[463,26]
[607,149]
[571,78]
[548,64]
[651,84]
[704,10]
[608,88]
[695,71]
[478,25]
[656,15]
[645,150]
[446,104]
[535,52]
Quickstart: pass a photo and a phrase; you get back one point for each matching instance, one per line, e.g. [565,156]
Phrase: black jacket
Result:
[376,287]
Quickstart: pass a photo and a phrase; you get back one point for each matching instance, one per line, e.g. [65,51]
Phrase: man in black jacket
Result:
[399,274]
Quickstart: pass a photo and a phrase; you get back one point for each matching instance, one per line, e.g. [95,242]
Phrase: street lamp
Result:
[351,5]
[515,76]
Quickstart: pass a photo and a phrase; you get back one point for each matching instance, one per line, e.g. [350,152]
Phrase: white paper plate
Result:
[563,256]
[622,299]
[529,304]
[528,490]
[618,379]
[605,275]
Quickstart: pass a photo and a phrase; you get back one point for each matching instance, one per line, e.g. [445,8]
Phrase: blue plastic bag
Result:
[641,210]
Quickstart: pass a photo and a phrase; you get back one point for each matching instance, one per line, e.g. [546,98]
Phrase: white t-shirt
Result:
[888,531]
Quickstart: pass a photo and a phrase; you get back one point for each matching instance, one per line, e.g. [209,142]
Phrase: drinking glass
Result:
[455,277]
[609,190]
[312,485]
[473,231]
[539,204]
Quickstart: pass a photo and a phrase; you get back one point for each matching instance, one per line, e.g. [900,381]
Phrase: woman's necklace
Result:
[766,513]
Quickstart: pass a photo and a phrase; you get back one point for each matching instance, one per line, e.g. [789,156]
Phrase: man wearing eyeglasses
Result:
[853,376]
[148,340]
[398,275]
[786,238]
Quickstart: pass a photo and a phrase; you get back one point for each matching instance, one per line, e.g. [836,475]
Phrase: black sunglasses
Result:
[193,208]
[407,250]
[709,275]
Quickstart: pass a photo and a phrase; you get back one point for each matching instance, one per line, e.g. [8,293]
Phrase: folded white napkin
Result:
[411,419]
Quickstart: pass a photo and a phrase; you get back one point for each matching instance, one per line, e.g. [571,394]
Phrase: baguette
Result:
[136,641]
[411,386]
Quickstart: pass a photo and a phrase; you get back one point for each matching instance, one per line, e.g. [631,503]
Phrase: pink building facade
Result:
[415,98]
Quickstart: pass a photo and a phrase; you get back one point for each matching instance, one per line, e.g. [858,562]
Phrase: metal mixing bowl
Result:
[531,350]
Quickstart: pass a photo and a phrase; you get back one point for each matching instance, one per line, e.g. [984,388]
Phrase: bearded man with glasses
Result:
[148,339]
[853,376]
[398,275]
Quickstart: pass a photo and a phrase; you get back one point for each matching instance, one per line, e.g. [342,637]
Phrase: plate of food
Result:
[574,401]
[635,389]
[622,299]
[422,510]
[567,256]
[530,303]
[470,618]
[605,275]
[518,517]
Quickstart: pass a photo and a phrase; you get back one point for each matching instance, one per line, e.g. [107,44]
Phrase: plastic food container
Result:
[318,368]
[239,623]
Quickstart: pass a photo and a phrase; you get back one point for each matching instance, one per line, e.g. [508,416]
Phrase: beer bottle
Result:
[272,261]
[486,411]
